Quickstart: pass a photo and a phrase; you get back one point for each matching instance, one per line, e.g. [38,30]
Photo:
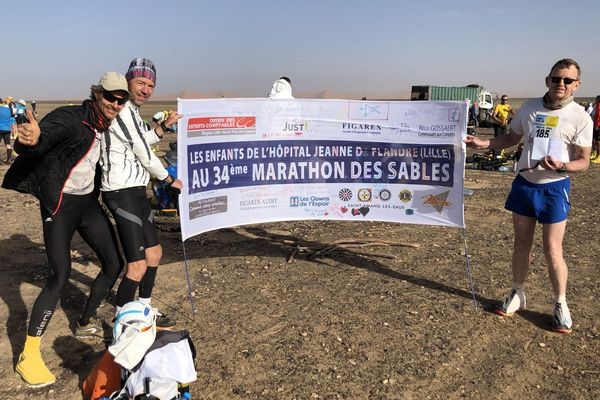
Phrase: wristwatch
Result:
[169,180]
[164,127]
[562,169]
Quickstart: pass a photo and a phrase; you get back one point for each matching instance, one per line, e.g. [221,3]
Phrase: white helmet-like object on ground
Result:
[133,333]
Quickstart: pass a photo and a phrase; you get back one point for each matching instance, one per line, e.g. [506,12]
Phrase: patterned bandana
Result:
[141,68]
[98,121]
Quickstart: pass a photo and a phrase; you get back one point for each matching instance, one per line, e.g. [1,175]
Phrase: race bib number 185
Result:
[544,130]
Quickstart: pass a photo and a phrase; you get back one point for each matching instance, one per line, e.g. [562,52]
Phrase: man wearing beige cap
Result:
[57,164]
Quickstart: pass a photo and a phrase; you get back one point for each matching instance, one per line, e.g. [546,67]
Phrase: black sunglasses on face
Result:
[111,98]
[557,79]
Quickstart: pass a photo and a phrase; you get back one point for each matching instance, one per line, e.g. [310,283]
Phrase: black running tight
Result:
[83,214]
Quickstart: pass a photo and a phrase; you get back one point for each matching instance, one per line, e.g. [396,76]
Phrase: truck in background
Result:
[474,93]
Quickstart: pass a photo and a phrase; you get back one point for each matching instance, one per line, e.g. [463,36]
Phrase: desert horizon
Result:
[157,104]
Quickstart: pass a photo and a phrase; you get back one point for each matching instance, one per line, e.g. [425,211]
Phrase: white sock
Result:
[145,300]
[562,299]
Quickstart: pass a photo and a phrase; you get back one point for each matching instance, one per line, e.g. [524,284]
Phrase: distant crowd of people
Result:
[11,113]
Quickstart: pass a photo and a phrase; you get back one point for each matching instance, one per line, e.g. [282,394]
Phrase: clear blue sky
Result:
[56,49]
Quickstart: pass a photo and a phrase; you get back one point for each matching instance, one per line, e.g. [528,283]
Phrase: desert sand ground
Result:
[370,323]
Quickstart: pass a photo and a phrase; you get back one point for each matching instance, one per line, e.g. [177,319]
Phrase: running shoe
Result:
[94,329]
[32,369]
[163,321]
[514,302]
[561,318]
[595,160]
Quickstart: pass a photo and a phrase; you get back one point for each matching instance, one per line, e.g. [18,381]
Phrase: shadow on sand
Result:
[23,261]
[265,243]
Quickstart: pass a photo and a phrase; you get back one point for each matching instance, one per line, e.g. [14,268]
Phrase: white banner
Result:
[247,161]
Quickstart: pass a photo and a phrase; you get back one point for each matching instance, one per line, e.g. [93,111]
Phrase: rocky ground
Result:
[374,322]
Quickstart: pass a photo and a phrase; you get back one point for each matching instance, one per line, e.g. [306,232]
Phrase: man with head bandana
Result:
[557,136]
[127,164]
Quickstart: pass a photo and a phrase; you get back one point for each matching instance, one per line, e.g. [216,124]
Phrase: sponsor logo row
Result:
[219,204]
[246,125]
[367,195]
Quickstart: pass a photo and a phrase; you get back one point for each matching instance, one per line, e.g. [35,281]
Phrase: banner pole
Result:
[187,277]
[468,267]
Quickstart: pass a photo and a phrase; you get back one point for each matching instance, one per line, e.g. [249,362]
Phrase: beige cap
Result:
[112,81]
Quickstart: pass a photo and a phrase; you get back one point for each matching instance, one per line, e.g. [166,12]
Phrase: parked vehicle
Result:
[473,92]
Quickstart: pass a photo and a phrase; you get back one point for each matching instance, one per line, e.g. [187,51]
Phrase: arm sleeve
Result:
[136,136]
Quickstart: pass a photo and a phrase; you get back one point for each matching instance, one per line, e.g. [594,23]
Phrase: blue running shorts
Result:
[546,202]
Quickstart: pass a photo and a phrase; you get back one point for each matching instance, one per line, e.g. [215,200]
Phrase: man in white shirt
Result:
[557,136]
[127,164]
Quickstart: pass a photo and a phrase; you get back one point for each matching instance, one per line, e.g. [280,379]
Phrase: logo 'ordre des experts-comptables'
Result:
[221,126]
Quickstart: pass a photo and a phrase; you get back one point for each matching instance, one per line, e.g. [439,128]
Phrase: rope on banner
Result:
[469,274]
[187,278]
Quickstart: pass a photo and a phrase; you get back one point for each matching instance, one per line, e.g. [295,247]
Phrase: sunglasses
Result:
[504,99]
[111,98]
[557,79]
